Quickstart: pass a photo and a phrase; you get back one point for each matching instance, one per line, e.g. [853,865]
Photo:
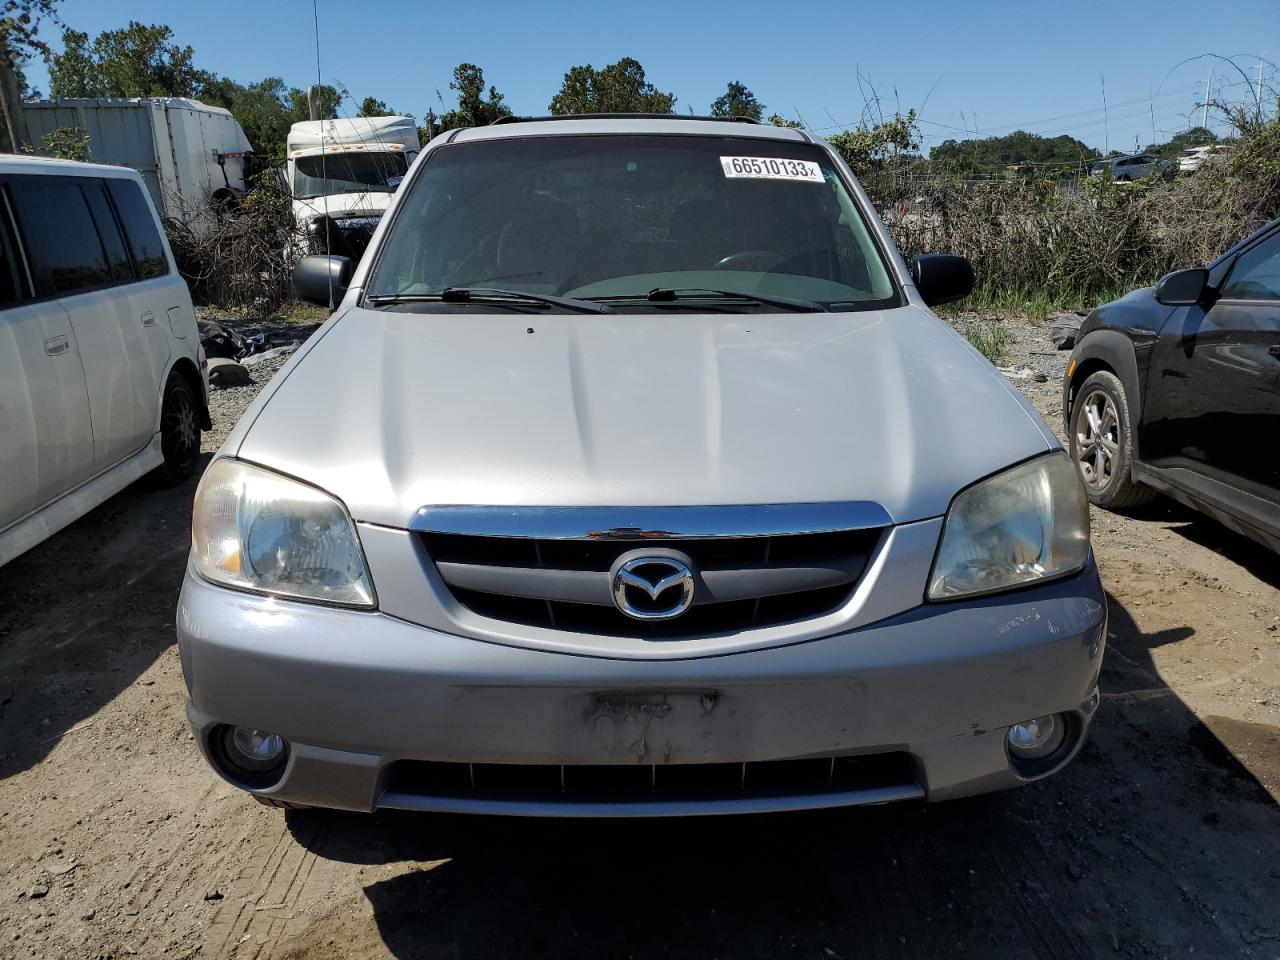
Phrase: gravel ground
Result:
[1162,840]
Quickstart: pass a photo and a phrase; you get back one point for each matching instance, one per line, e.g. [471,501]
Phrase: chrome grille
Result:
[744,582]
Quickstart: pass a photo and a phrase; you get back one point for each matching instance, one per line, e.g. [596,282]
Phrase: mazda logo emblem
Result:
[653,587]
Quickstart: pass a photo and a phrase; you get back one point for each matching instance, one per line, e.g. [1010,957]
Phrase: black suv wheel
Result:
[1102,444]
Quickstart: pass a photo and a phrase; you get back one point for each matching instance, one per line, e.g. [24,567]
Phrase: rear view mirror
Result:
[1182,287]
[322,279]
[942,277]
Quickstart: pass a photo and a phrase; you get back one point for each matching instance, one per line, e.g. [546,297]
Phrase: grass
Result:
[990,339]
[1040,302]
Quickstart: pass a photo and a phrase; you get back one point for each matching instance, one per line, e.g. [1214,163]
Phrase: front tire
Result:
[179,430]
[1102,443]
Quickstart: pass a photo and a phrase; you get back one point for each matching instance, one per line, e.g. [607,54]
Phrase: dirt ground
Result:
[1162,840]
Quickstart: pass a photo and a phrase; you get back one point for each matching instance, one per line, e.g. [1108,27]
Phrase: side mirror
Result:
[1182,287]
[942,277]
[322,279]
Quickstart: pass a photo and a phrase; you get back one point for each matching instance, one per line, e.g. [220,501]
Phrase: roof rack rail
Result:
[620,116]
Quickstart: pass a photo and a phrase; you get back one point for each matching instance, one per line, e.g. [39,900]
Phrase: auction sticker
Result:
[771,168]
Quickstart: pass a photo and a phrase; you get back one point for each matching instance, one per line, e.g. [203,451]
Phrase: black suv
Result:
[1176,389]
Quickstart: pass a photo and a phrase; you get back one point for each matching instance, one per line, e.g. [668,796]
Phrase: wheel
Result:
[1102,444]
[179,430]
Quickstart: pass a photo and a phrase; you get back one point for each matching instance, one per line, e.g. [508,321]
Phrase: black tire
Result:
[1102,445]
[179,430]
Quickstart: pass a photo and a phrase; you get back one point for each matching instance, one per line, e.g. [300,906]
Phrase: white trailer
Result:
[342,174]
[193,158]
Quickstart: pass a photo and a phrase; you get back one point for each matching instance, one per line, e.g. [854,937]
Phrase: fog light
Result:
[255,750]
[1038,738]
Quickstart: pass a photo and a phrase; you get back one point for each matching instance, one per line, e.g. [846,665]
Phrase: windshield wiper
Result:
[674,294]
[490,294]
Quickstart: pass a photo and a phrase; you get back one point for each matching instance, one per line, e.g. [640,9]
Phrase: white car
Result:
[1193,158]
[101,371]
[1133,167]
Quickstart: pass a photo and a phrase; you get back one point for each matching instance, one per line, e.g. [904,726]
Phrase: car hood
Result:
[392,411]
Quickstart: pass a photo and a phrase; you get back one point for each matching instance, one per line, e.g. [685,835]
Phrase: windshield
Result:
[613,217]
[340,172]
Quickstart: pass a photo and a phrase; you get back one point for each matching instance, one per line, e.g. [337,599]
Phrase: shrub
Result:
[1065,246]
[237,255]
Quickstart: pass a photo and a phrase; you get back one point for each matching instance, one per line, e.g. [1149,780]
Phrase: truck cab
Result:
[342,174]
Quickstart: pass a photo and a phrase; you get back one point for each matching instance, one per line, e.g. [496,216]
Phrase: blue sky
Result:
[993,66]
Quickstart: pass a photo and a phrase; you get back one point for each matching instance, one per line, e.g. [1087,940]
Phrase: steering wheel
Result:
[749,260]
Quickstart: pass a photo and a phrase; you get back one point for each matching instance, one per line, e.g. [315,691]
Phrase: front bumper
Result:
[359,695]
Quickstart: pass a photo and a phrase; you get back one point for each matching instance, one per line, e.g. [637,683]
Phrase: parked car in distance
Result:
[1193,158]
[666,494]
[1176,389]
[100,363]
[1134,167]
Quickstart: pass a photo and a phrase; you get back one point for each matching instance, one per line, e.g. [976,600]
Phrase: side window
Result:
[1256,274]
[117,257]
[61,238]
[10,287]
[139,228]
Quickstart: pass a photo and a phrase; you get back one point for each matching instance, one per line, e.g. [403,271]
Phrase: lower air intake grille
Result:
[639,783]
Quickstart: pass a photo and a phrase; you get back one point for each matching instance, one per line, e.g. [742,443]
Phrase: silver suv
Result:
[633,476]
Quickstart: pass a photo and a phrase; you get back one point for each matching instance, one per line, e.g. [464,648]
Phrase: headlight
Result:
[256,530]
[1027,523]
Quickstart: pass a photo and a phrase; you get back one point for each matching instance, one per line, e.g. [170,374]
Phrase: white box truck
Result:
[194,159]
[342,174]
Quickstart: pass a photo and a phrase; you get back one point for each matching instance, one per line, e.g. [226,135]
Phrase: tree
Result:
[737,101]
[473,109]
[327,101]
[778,120]
[866,148]
[134,61]
[373,107]
[618,88]
[1195,137]
[1051,157]
[19,40]
[262,110]
[221,92]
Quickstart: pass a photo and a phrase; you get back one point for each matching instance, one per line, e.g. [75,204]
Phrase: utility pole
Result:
[1208,92]
[1106,129]
[1257,115]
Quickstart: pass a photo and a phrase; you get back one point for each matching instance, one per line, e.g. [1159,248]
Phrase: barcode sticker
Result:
[771,168]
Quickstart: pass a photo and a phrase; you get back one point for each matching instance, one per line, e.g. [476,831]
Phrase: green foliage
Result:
[134,61]
[373,107]
[618,88]
[1195,137]
[867,148]
[20,25]
[262,109]
[990,339]
[67,143]
[474,108]
[1256,157]
[328,99]
[778,120]
[1052,156]
[737,101]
